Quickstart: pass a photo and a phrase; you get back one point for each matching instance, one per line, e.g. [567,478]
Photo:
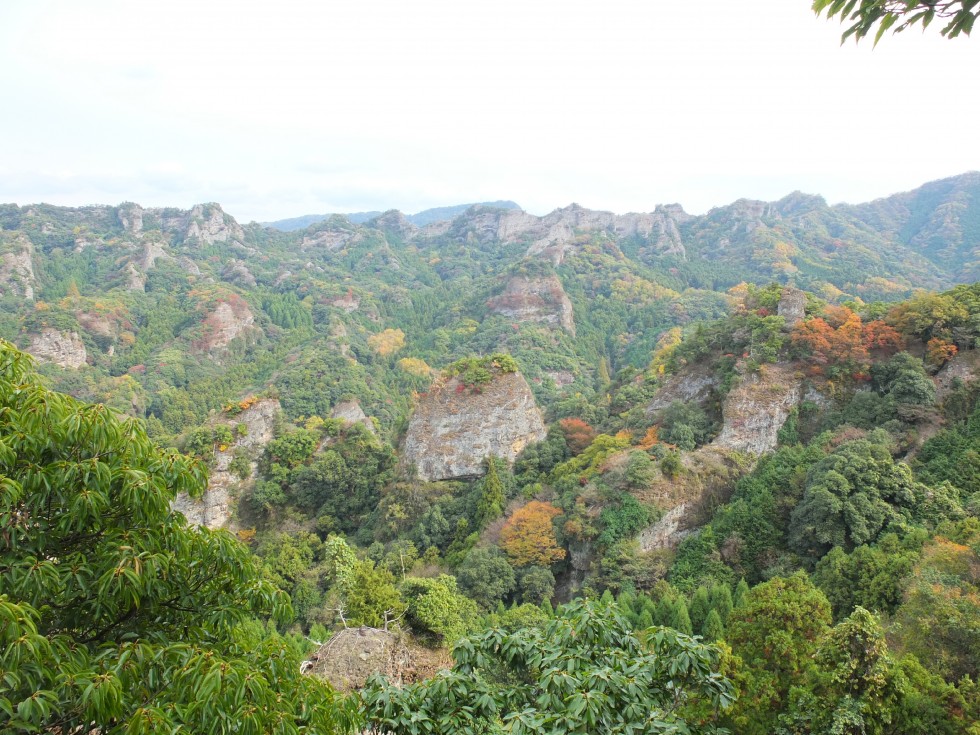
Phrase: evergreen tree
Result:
[664,611]
[741,590]
[699,609]
[680,619]
[721,601]
[492,499]
[644,621]
[714,629]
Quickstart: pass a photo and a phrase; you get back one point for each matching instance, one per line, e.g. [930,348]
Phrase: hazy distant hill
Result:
[420,219]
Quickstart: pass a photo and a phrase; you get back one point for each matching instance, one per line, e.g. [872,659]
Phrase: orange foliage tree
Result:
[528,536]
[578,434]
[880,337]
[839,338]
[940,351]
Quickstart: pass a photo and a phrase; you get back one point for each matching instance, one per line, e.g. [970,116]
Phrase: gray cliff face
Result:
[756,409]
[62,348]
[553,235]
[205,222]
[792,305]
[17,267]
[229,319]
[537,300]
[666,533]
[216,507]
[131,217]
[135,279]
[350,412]
[209,224]
[454,428]
[964,366]
[693,384]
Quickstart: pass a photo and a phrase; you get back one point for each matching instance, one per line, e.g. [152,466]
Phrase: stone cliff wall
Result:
[756,409]
[17,268]
[454,427]
[216,507]
[537,300]
[62,348]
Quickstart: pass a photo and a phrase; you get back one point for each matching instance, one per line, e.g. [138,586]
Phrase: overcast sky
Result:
[287,107]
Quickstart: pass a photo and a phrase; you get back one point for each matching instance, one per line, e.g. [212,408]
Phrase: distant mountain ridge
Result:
[170,314]
[419,219]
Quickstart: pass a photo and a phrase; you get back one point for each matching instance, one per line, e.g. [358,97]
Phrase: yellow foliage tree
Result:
[387,342]
[528,537]
[415,366]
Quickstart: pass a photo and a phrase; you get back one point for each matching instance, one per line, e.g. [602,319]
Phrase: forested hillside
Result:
[760,426]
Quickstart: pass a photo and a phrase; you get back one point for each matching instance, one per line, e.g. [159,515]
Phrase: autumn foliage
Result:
[940,351]
[387,342]
[578,434]
[528,536]
[840,338]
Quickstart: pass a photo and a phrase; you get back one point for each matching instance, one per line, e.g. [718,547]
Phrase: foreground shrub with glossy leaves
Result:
[584,671]
[115,616]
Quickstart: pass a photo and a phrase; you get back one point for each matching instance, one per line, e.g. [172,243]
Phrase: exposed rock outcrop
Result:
[152,252]
[553,235]
[135,279]
[17,267]
[216,507]
[964,366]
[62,348]
[206,223]
[348,302]
[394,222]
[709,474]
[756,409]
[555,232]
[693,384]
[792,306]
[350,412]
[667,532]
[229,319]
[539,300]
[131,217]
[454,427]
[210,224]
[237,272]
[352,655]
[98,324]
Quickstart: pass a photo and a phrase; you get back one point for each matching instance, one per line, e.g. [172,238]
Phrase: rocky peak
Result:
[798,203]
[792,306]
[541,300]
[131,217]
[207,223]
[62,348]
[395,222]
[455,427]
[332,238]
